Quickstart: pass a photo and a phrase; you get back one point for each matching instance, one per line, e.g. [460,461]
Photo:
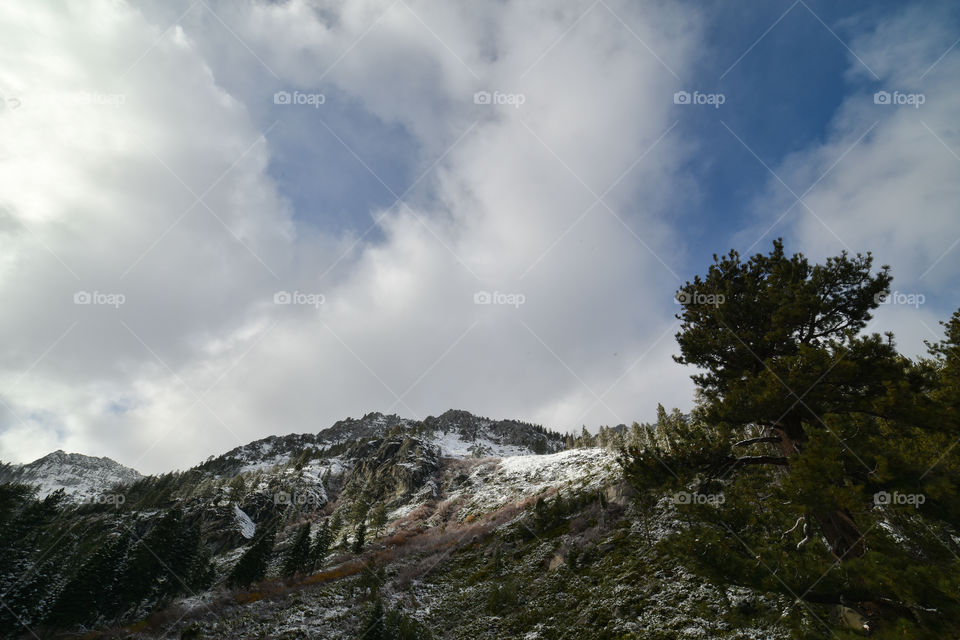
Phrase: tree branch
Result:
[751,460]
[749,441]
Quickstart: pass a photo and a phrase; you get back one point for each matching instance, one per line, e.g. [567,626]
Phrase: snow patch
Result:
[244,523]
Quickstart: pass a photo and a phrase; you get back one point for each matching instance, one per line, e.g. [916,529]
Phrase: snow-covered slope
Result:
[514,478]
[83,478]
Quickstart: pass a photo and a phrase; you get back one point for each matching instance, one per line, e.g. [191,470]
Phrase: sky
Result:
[225,220]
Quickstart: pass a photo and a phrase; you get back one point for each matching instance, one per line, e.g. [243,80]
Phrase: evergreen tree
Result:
[92,592]
[182,564]
[373,627]
[148,574]
[359,538]
[844,425]
[238,488]
[776,339]
[252,565]
[370,580]
[336,523]
[361,506]
[29,563]
[378,518]
[202,573]
[321,544]
[297,558]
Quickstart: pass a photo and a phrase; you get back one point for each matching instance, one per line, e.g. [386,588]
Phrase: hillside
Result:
[392,528]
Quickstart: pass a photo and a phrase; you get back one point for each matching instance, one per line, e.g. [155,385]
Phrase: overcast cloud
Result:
[139,155]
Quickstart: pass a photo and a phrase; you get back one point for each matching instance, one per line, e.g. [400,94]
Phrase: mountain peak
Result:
[82,477]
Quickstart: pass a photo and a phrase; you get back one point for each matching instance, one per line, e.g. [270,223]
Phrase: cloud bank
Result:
[166,299]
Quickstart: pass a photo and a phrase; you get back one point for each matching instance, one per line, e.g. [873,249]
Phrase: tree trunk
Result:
[841,532]
[837,525]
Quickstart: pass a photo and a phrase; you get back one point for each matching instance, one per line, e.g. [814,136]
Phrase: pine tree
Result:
[252,565]
[361,507]
[845,423]
[765,331]
[29,566]
[92,592]
[378,518]
[297,558]
[147,574]
[181,564]
[202,573]
[238,489]
[373,628]
[336,523]
[305,456]
[359,538]
[321,544]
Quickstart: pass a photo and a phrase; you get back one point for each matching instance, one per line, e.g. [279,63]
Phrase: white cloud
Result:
[198,356]
[887,177]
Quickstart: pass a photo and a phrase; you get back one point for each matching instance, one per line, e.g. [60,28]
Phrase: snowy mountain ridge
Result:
[83,478]
[455,434]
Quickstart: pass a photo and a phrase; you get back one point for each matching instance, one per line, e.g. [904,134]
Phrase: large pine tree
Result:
[841,490]
[777,342]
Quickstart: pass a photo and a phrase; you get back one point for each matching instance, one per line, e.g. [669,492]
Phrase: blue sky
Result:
[783,73]
[272,283]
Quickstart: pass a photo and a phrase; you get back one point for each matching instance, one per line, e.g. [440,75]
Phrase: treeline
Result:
[637,435]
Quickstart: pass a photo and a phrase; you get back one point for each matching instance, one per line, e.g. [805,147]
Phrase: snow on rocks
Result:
[244,523]
[83,478]
[514,478]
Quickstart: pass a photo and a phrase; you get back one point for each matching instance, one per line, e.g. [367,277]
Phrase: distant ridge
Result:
[82,477]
